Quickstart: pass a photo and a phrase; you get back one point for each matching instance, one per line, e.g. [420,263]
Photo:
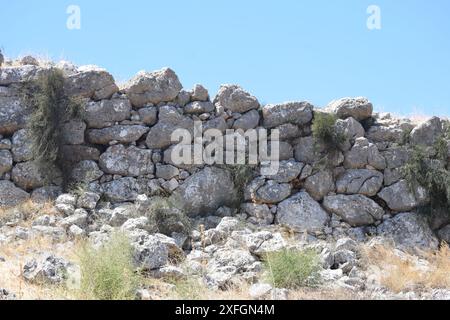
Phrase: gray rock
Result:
[46,269]
[5,294]
[183,98]
[206,191]
[11,195]
[306,150]
[444,234]
[260,291]
[86,171]
[77,153]
[298,113]
[199,93]
[153,87]
[399,196]
[127,161]
[105,113]
[356,210]
[28,175]
[199,107]
[358,108]
[121,190]
[249,120]
[91,82]
[379,133]
[272,192]
[289,131]
[79,218]
[14,113]
[288,170]
[392,176]
[29,60]
[21,146]
[73,132]
[396,157]
[6,162]
[166,172]
[428,132]
[88,200]
[362,181]
[263,242]
[302,213]
[17,75]
[45,194]
[149,115]
[320,184]
[409,231]
[363,154]
[350,129]
[260,214]
[150,253]
[235,99]
[170,119]
[119,133]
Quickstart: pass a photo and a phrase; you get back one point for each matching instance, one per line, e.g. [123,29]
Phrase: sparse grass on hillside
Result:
[108,273]
[26,212]
[404,272]
[292,269]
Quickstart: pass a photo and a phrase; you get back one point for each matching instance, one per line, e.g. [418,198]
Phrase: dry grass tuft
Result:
[26,212]
[403,272]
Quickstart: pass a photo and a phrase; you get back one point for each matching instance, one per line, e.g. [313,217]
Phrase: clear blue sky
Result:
[315,50]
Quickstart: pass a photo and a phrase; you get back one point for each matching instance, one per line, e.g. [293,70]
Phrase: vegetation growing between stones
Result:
[166,217]
[429,169]
[107,273]
[324,130]
[51,108]
[293,269]
[241,175]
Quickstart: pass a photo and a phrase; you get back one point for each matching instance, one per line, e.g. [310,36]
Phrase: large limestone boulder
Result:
[10,195]
[105,113]
[298,113]
[234,98]
[15,75]
[272,192]
[90,82]
[13,112]
[358,108]
[118,133]
[124,161]
[206,191]
[356,210]
[428,132]
[170,119]
[320,184]
[150,252]
[199,107]
[73,132]
[6,161]
[362,181]
[249,120]
[153,87]
[121,190]
[21,146]
[364,154]
[302,213]
[306,150]
[399,196]
[288,170]
[350,129]
[28,175]
[410,231]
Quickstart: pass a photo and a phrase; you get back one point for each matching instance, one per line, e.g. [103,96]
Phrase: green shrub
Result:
[429,169]
[165,216]
[51,108]
[324,130]
[292,268]
[107,273]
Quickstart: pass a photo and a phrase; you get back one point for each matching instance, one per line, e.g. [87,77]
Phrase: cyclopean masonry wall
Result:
[121,151]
